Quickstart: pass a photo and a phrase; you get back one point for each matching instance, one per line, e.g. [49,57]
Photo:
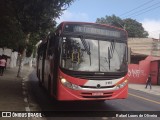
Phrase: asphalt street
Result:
[136,101]
[25,94]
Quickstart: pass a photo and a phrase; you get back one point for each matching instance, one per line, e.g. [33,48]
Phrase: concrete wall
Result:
[145,46]
[138,73]
[156,48]
[154,71]
[140,45]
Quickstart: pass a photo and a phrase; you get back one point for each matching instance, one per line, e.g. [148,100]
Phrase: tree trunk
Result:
[20,67]
[22,57]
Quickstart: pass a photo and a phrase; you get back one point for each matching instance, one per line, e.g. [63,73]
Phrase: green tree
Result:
[38,16]
[111,20]
[11,34]
[134,28]
[22,22]
[21,18]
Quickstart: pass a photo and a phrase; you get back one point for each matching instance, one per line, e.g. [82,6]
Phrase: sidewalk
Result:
[141,87]
[11,96]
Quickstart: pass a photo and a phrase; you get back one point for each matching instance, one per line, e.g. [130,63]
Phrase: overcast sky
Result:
[144,11]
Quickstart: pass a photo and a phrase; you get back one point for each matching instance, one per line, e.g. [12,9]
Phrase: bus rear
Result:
[91,62]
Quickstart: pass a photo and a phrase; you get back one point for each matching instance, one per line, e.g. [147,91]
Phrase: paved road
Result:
[17,94]
[136,101]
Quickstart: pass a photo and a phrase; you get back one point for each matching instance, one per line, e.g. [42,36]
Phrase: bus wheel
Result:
[39,83]
[38,74]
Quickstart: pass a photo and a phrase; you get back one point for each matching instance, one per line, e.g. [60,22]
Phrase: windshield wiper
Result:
[111,49]
[86,47]
[109,57]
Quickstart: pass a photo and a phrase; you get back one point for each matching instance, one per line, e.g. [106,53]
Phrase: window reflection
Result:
[81,54]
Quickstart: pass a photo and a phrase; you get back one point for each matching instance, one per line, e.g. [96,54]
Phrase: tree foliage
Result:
[20,18]
[111,20]
[11,33]
[37,15]
[134,28]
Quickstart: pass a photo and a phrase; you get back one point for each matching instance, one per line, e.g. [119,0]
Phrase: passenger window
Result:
[51,44]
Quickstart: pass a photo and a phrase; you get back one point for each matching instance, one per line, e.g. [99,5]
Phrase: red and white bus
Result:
[84,61]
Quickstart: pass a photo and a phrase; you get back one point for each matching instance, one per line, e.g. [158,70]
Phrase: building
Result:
[145,60]
[140,45]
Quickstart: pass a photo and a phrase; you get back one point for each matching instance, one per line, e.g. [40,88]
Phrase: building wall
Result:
[138,73]
[154,71]
[144,46]
[156,48]
[140,45]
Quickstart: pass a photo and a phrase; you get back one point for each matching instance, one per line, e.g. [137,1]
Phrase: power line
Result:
[146,11]
[139,12]
[137,7]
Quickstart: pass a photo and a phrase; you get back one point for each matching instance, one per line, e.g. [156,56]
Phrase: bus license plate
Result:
[97,94]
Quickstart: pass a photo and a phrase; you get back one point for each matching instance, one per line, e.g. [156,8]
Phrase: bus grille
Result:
[95,87]
[96,96]
[96,77]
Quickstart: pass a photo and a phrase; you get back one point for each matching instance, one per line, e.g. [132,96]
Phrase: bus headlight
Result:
[63,80]
[68,84]
[121,85]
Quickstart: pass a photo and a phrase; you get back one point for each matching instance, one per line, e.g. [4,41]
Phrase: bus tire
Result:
[38,73]
[39,83]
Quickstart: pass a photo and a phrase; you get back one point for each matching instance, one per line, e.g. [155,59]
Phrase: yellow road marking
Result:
[144,98]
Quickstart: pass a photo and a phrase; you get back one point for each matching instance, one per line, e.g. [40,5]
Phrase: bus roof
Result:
[92,29]
[90,23]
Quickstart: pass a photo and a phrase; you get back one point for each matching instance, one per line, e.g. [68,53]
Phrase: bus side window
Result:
[51,45]
[40,51]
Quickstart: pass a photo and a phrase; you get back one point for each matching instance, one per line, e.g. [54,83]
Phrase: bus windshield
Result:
[93,55]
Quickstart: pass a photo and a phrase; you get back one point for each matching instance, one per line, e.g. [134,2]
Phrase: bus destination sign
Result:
[89,29]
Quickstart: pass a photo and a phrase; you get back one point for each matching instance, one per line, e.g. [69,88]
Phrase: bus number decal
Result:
[109,83]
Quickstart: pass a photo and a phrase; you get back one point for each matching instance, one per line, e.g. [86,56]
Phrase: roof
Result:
[104,25]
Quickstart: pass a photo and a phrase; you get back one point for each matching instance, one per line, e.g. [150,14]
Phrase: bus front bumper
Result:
[67,94]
